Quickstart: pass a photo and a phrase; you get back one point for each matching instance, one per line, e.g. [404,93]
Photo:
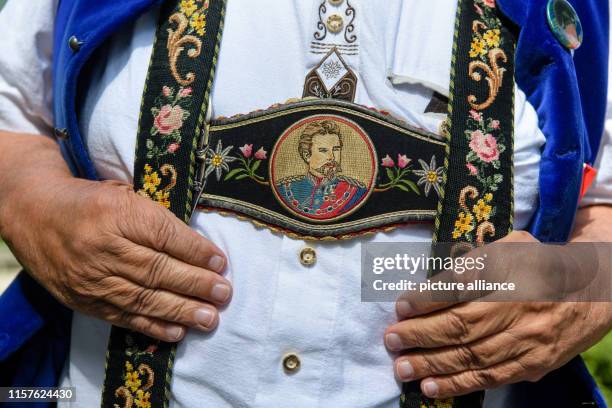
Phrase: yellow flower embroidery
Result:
[143,399]
[163,197]
[479,47]
[492,37]
[482,210]
[488,197]
[188,7]
[132,381]
[198,23]
[463,224]
[151,181]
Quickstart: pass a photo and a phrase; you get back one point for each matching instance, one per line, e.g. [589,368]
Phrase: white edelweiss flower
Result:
[216,160]
[430,175]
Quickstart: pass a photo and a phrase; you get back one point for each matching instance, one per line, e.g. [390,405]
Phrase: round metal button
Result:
[335,2]
[74,43]
[308,256]
[291,363]
[564,23]
[335,23]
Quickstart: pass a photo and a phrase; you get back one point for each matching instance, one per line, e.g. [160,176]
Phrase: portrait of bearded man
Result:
[323,192]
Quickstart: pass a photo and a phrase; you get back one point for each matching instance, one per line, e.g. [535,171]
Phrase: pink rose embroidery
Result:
[489,3]
[472,169]
[169,119]
[495,124]
[260,154]
[247,150]
[478,9]
[476,115]
[185,92]
[387,161]
[173,147]
[166,91]
[402,161]
[485,146]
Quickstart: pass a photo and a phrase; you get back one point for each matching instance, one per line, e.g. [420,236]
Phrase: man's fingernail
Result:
[404,308]
[220,292]
[393,342]
[430,388]
[216,263]
[205,317]
[405,370]
[174,333]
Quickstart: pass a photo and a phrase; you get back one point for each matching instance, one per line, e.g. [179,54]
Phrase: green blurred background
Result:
[598,358]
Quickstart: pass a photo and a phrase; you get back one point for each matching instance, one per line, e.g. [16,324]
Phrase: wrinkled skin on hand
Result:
[103,250]
[455,348]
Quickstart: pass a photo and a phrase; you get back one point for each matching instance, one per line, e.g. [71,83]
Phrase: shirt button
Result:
[74,43]
[335,23]
[564,23]
[291,363]
[308,256]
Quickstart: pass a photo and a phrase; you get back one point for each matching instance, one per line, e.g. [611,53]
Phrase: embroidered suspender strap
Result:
[173,110]
[476,203]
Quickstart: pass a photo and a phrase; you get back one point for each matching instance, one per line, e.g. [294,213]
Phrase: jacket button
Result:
[291,363]
[61,133]
[308,256]
[564,23]
[74,43]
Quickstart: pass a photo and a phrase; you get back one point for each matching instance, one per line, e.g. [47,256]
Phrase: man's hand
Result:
[457,348]
[103,250]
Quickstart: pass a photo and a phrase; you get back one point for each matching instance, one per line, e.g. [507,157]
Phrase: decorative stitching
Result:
[476,199]
[138,369]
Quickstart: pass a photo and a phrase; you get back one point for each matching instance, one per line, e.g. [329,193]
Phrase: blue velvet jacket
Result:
[568,93]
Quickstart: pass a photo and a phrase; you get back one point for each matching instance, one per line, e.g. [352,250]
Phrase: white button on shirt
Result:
[279,307]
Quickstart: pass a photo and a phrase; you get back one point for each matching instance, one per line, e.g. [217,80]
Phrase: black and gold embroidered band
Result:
[322,169]
[476,203]
[173,110]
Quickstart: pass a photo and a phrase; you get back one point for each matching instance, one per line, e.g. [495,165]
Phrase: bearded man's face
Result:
[324,160]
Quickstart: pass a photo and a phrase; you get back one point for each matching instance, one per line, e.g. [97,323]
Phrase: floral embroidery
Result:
[485,48]
[485,149]
[445,403]
[190,23]
[431,175]
[260,154]
[398,175]
[484,134]
[151,182]
[170,111]
[188,7]
[250,165]
[216,160]
[476,219]
[136,383]
[387,161]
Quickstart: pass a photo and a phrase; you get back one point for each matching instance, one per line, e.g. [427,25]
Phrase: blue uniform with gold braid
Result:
[568,91]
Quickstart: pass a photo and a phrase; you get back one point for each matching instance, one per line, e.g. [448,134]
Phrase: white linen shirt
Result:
[278,305]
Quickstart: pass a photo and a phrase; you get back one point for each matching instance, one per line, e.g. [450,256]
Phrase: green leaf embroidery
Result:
[233,173]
